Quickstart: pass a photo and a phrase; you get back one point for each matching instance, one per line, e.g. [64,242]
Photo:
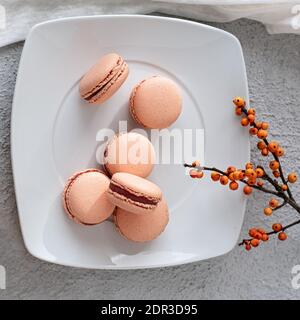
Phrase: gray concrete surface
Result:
[273,66]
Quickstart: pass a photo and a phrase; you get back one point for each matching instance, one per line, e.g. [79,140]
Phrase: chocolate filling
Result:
[131,196]
[93,94]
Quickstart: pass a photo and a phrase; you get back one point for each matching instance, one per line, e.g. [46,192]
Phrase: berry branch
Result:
[199,169]
[254,177]
[262,128]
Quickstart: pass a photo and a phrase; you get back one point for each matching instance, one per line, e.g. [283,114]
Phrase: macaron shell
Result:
[137,184]
[85,198]
[129,152]
[156,102]
[101,70]
[114,85]
[103,79]
[142,228]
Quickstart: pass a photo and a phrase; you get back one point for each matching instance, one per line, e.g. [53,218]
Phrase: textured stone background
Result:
[273,66]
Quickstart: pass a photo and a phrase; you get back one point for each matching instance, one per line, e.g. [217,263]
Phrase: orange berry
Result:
[261,230]
[231,169]
[279,152]
[273,146]
[268,211]
[236,175]
[273,203]
[251,111]
[277,227]
[238,111]
[253,175]
[196,174]
[196,163]
[276,174]
[258,125]
[200,174]
[284,187]
[254,242]
[247,190]
[215,176]
[251,118]
[260,183]
[248,247]
[265,125]
[274,165]
[258,235]
[261,145]
[259,172]
[230,176]
[233,185]
[249,165]
[265,237]
[265,152]
[244,122]
[193,173]
[224,180]
[282,236]
[253,131]
[250,173]
[252,232]
[242,175]
[262,134]
[251,181]
[292,177]
[239,102]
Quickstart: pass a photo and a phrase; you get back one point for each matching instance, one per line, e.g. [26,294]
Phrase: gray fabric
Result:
[274,81]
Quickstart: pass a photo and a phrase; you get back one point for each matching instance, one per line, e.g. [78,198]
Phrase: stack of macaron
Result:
[120,189]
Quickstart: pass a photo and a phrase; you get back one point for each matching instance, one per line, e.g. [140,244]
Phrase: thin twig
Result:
[273,232]
[278,194]
[280,206]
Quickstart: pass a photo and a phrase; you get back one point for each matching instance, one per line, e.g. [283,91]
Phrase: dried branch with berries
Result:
[256,177]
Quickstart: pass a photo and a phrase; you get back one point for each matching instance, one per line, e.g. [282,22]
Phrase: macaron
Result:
[142,227]
[129,152]
[85,197]
[155,102]
[133,193]
[103,79]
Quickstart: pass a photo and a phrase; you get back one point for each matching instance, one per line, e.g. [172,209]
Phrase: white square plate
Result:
[54,134]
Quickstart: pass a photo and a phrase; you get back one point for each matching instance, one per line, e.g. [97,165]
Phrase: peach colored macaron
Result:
[85,197]
[133,193]
[142,227]
[155,102]
[129,152]
[103,79]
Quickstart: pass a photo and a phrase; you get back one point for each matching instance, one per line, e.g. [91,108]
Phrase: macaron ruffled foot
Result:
[85,197]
